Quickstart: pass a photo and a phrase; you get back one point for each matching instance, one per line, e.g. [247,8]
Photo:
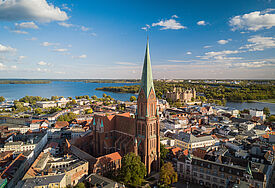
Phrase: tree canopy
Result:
[266,111]
[133,98]
[2,99]
[67,117]
[163,153]
[167,174]
[132,170]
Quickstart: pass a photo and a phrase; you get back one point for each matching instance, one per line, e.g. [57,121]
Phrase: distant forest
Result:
[245,91]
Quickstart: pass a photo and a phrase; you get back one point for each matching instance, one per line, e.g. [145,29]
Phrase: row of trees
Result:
[212,91]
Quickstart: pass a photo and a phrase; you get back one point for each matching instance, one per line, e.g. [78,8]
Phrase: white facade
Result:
[46,104]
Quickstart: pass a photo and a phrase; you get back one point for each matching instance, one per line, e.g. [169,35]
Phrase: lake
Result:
[72,89]
[252,105]
[60,88]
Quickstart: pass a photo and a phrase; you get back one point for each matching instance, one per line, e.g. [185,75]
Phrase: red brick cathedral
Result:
[125,133]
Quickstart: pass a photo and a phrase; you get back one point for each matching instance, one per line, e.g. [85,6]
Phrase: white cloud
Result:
[19,32]
[179,61]
[6,48]
[2,66]
[188,53]
[223,41]
[125,63]
[253,64]
[253,21]
[259,43]
[42,70]
[93,34]
[21,57]
[26,25]
[33,38]
[38,10]
[83,28]
[202,22]
[60,50]
[221,55]
[49,44]
[207,46]
[80,27]
[65,7]
[43,63]
[64,24]
[15,30]
[13,67]
[83,56]
[175,16]
[169,24]
[146,27]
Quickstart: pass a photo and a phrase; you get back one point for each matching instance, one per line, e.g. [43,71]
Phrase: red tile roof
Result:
[175,150]
[61,124]
[113,156]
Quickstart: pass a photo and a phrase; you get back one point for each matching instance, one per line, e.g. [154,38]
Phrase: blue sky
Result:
[195,39]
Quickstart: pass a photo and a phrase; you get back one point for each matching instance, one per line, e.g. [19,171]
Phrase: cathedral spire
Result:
[147,76]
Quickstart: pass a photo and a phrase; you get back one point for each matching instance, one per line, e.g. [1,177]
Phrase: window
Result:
[152,110]
[195,174]
[181,167]
[143,129]
[201,176]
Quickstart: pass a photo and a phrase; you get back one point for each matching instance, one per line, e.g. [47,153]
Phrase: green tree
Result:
[266,111]
[80,185]
[271,118]
[167,174]
[203,99]
[89,111]
[18,105]
[70,98]
[163,153]
[94,97]
[54,109]
[132,170]
[133,98]
[86,97]
[53,98]
[104,95]
[67,117]
[74,102]
[2,99]
[38,111]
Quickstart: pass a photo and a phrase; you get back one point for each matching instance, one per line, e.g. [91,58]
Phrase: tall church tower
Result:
[147,119]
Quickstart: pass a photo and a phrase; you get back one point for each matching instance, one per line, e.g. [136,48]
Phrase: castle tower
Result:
[147,119]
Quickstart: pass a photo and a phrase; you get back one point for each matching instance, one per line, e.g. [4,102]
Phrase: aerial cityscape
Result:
[137,94]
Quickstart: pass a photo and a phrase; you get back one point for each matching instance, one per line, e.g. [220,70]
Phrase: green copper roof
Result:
[147,76]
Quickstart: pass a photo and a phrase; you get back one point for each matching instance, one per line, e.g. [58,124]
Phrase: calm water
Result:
[59,88]
[72,89]
[253,105]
